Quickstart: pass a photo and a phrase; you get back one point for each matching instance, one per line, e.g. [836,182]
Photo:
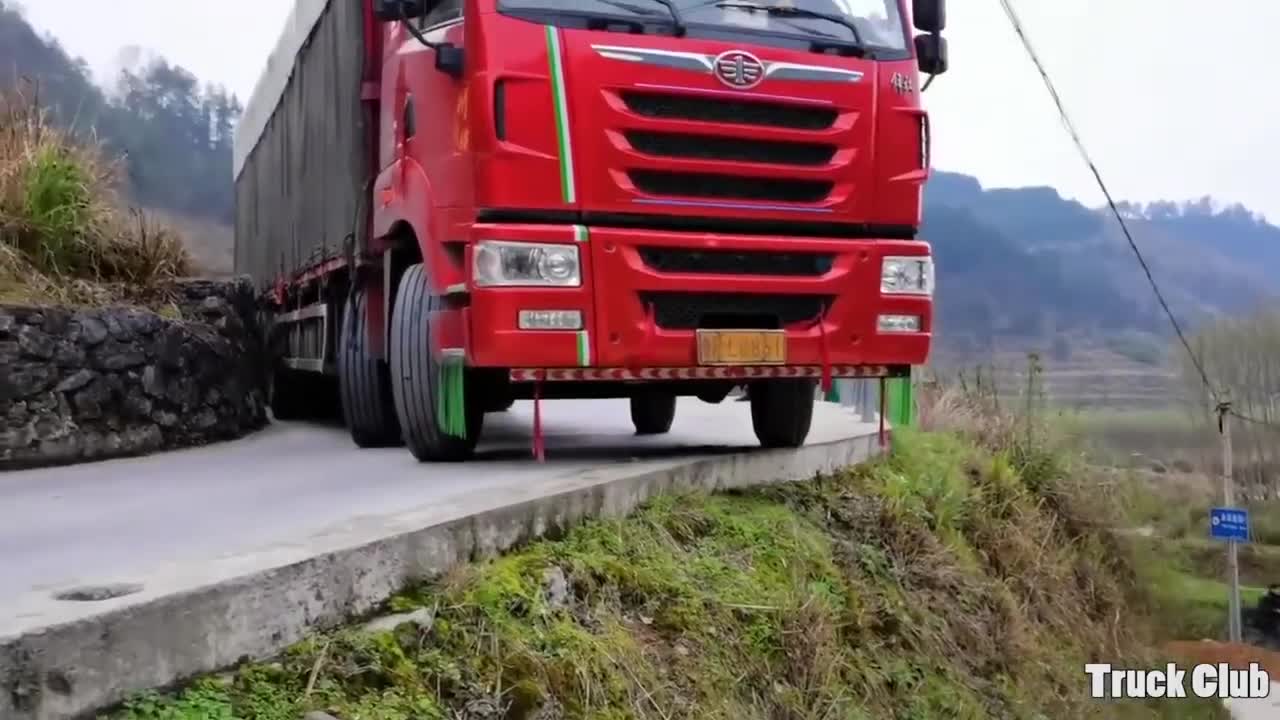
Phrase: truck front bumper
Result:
[644,294]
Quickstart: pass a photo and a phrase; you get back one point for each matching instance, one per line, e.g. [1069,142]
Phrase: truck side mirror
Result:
[931,54]
[930,15]
[395,10]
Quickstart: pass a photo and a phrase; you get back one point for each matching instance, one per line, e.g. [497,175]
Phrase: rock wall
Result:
[79,385]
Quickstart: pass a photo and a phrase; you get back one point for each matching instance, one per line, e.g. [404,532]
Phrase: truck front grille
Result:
[730,187]
[736,262]
[734,112]
[708,147]
[732,311]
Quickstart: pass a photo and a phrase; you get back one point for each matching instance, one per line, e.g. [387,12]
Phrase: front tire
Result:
[653,412]
[364,383]
[415,378]
[782,411]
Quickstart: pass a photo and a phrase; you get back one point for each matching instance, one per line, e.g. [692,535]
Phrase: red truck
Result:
[455,204]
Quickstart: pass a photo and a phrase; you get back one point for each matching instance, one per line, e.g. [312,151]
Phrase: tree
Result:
[179,140]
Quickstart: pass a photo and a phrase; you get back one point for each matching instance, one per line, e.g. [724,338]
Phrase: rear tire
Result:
[782,411]
[653,412]
[414,377]
[364,382]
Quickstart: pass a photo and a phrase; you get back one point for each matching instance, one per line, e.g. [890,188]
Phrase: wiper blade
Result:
[677,22]
[787,11]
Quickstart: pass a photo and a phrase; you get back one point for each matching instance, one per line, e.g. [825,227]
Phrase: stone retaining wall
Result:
[79,385]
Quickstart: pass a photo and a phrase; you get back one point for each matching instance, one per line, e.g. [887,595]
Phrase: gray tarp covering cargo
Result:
[301,164]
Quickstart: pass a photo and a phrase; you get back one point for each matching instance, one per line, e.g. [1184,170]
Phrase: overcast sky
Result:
[1169,95]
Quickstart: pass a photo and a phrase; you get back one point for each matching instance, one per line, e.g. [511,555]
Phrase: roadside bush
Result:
[64,235]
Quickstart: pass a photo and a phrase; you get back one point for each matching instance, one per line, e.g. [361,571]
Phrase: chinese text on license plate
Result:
[742,347]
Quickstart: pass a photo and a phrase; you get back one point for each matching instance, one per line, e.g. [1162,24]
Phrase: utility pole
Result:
[1234,623]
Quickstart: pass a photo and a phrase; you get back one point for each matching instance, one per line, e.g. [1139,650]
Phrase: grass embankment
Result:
[965,577]
[64,237]
[1189,572]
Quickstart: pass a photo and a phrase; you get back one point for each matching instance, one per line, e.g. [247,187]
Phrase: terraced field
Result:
[1096,378]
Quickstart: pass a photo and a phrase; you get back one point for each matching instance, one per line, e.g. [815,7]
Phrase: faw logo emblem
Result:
[738,69]
[901,83]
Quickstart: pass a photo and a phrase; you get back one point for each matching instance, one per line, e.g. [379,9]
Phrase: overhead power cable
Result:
[1016,22]
[1102,185]
[1115,210]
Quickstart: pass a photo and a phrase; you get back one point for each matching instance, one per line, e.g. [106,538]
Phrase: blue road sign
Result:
[1229,524]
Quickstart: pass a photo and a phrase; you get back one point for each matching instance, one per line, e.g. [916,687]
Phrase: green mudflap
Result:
[451,407]
[900,398]
[834,395]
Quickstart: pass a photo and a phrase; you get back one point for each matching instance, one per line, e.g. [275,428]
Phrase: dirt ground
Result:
[1235,655]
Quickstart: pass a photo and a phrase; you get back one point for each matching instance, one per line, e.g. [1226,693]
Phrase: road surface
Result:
[1263,709]
[102,523]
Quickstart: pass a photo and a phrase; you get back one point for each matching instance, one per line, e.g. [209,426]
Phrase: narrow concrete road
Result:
[1265,709]
[92,523]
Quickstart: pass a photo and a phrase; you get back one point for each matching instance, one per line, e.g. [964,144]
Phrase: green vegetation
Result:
[1195,606]
[970,575]
[1167,420]
[1166,439]
[63,236]
[1180,511]
[1186,570]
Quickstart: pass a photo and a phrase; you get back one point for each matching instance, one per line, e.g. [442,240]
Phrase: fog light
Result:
[899,323]
[550,320]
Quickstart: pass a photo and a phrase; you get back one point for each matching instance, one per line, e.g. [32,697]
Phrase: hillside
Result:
[1025,264]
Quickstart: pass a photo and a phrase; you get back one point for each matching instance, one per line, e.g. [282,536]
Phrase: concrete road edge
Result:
[74,668]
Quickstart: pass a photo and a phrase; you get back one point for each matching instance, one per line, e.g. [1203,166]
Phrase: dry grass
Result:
[211,244]
[1236,656]
[65,235]
[1016,425]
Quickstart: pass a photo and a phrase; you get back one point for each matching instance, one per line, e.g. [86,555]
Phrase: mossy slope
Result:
[945,582]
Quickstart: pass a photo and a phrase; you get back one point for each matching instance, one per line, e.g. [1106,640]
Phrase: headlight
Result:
[907,276]
[499,263]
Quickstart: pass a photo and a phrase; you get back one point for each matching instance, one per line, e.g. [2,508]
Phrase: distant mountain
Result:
[64,83]
[1026,263]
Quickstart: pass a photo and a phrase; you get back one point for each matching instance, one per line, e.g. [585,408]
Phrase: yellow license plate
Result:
[742,347]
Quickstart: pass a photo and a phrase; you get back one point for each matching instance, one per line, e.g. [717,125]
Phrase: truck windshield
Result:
[878,22]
